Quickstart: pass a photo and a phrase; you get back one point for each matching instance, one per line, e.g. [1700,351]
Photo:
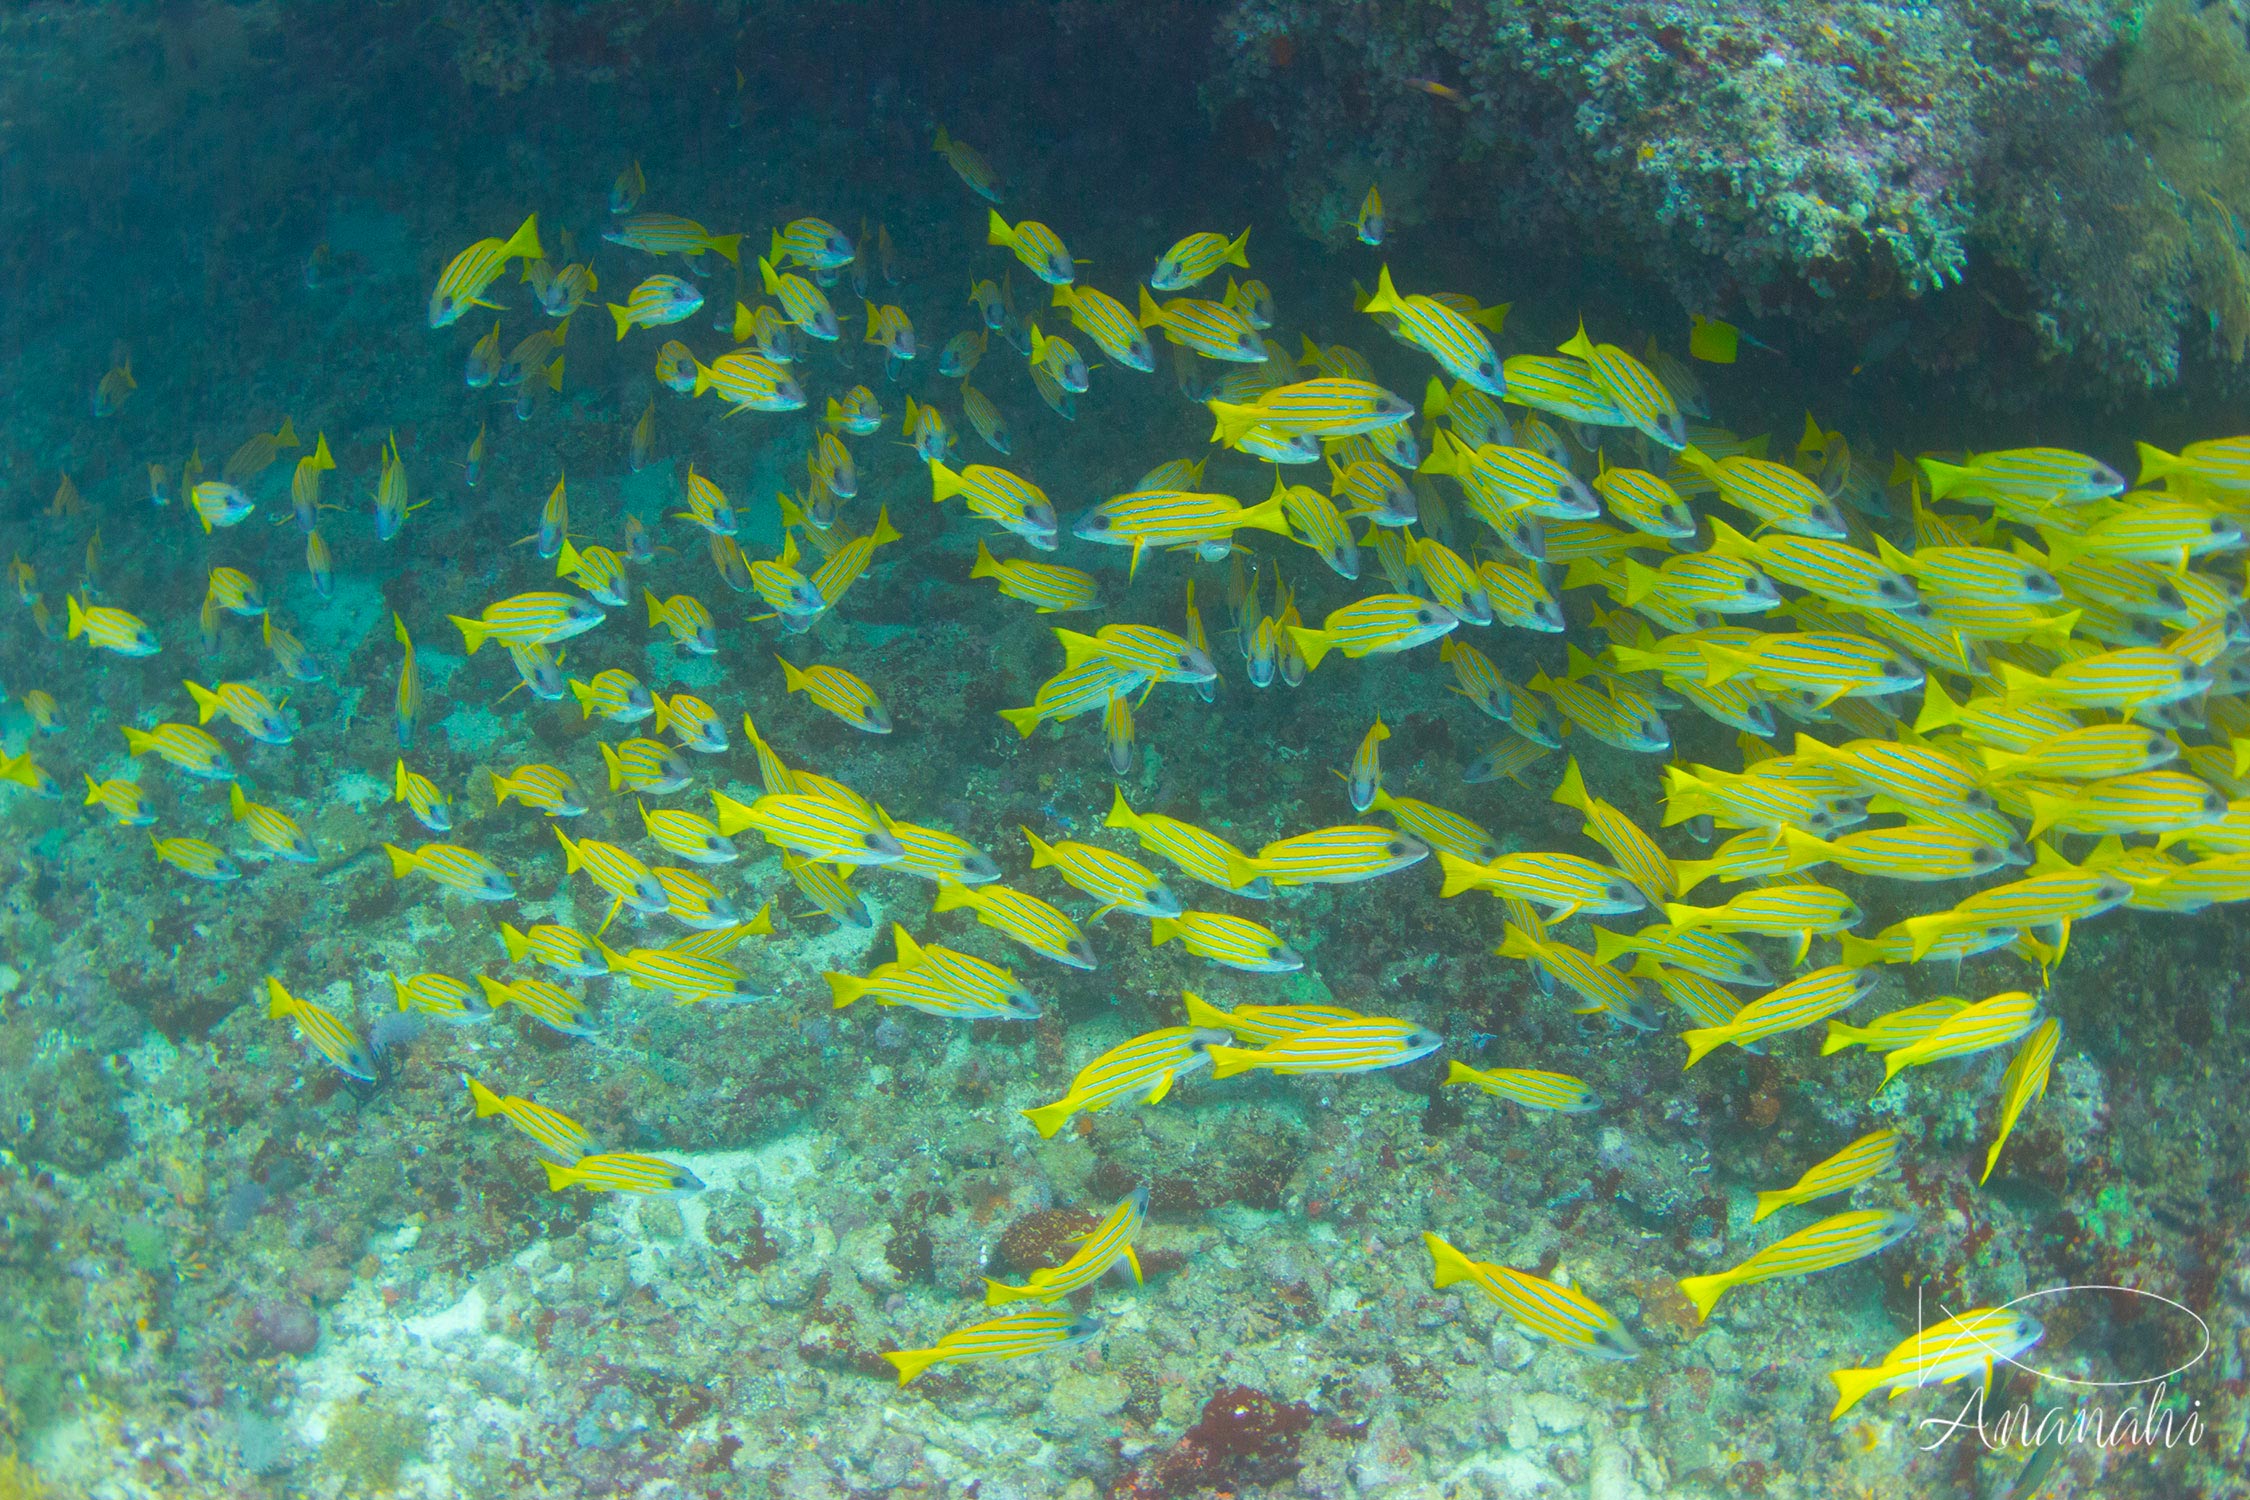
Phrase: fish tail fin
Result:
[1721,665]
[1447,1265]
[1943,477]
[487,1102]
[1078,647]
[1938,710]
[1925,932]
[1460,874]
[728,246]
[1728,542]
[1238,251]
[1386,298]
[2047,809]
[1233,420]
[1701,462]
[237,804]
[558,1177]
[1572,792]
[2155,462]
[1859,953]
[138,741]
[472,632]
[2018,682]
[843,989]
[945,483]
[951,895]
[624,317]
[1703,1040]
[996,230]
[1150,314]
[1579,346]
[1042,853]
[1049,1118]
[1842,1034]
[999,1293]
[912,1362]
[1313,643]
[1852,1386]
[206,701]
[1435,401]
[1769,1202]
[1705,1292]
[279,1002]
[1228,1061]
[1609,946]
[1457,1071]
[1516,943]
[571,860]
[1201,1012]
[1641,581]
[1161,930]
[402,861]
[1121,814]
[93,791]
[1803,850]
[616,764]
[524,243]
[77,626]
[1024,719]
[516,941]
[884,533]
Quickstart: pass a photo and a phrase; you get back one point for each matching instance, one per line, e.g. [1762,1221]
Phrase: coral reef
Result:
[228,1271]
[2056,181]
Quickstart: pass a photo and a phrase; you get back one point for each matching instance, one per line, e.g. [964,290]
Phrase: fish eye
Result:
[1395,849]
[1423,617]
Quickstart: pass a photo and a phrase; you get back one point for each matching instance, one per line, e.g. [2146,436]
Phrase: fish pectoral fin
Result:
[1135,1262]
[1156,1094]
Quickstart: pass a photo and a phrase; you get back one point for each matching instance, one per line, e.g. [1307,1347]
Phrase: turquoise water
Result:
[261,1246]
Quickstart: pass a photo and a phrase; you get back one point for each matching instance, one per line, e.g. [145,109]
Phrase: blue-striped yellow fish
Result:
[1528,1087]
[1361,1045]
[1797,1004]
[1989,1023]
[1863,1160]
[1605,991]
[1339,855]
[1026,918]
[1961,1344]
[1051,589]
[1223,938]
[2023,1084]
[461,285]
[1107,1243]
[1145,1067]
[1030,1330]
[1197,852]
[1643,399]
[1039,248]
[1698,950]
[1835,1241]
[1775,493]
[329,1033]
[624,1172]
[556,1134]
[1539,1308]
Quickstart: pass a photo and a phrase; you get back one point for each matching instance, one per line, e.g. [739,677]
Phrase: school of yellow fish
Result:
[2042,654]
